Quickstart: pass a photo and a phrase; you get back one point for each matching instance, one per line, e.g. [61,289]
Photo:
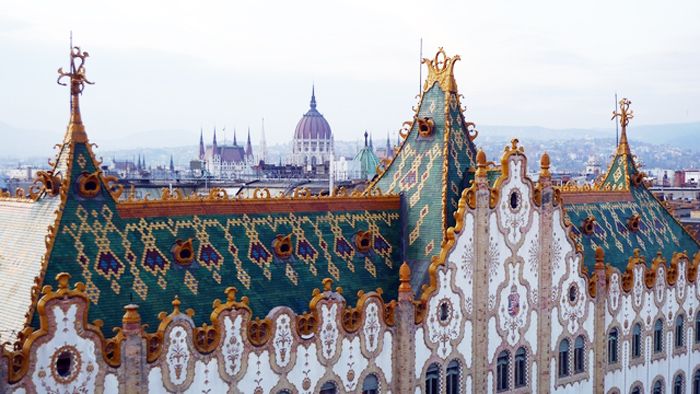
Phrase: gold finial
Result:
[230,294]
[78,79]
[440,70]
[131,315]
[544,165]
[405,278]
[176,305]
[327,283]
[625,115]
[481,163]
[63,278]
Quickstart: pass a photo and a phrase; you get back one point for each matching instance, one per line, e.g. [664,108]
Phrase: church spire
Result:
[249,148]
[76,129]
[172,165]
[388,146]
[201,144]
[234,137]
[214,146]
[371,145]
[366,134]
[313,97]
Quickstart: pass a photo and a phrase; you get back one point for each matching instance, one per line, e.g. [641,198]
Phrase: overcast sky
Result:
[182,65]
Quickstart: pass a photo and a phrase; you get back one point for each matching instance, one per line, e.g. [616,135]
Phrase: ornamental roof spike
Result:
[78,79]
[441,70]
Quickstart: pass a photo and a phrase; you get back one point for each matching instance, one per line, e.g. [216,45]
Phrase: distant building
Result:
[226,161]
[366,161]
[593,166]
[313,140]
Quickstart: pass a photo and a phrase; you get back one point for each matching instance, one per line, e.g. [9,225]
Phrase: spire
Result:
[214,146]
[624,116]
[388,146]
[76,129]
[201,144]
[249,148]
[234,137]
[371,145]
[172,165]
[622,167]
[366,134]
[313,97]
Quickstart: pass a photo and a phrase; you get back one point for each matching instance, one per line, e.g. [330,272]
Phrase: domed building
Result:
[313,141]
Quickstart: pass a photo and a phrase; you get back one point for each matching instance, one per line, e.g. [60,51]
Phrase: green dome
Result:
[368,161]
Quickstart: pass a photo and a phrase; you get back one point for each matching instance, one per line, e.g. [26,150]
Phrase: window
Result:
[328,388]
[658,336]
[432,379]
[370,385]
[636,390]
[658,388]
[502,371]
[452,377]
[520,367]
[612,346]
[696,382]
[564,358]
[573,293]
[678,384]
[578,354]
[679,330]
[697,328]
[636,340]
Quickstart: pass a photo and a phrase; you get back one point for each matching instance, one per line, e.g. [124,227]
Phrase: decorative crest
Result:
[78,79]
[76,74]
[625,115]
[440,70]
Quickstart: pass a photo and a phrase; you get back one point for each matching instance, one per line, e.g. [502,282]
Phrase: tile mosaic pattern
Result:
[124,260]
[658,230]
[421,171]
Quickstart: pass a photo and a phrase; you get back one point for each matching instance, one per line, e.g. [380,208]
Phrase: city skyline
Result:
[174,74]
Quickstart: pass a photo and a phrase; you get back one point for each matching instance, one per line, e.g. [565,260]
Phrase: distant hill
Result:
[681,141]
[686,135]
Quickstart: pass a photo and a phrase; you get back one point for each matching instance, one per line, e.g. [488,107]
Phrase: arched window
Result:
[612,346]
[696,382]
[578,354]
[680,320]
[452,377]
[432,379]
[520,367]
[678,384]
[658,387]
[636,390]
[370,385]
[697,327]
[564,358]
[328,388]
[658,336]
[636,340]
[502,366]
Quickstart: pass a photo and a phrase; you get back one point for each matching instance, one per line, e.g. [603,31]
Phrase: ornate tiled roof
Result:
[620,215]
[432,164]
[274,250]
